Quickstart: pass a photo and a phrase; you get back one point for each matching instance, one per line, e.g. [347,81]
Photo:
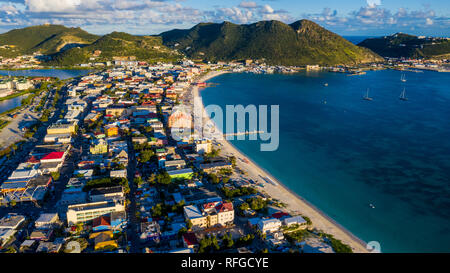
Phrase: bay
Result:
[343,153]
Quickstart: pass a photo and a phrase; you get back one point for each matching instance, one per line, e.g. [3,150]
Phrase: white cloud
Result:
[373,3]
[375,18]
[149,16]
[248,5]
[267,9]
[53,5]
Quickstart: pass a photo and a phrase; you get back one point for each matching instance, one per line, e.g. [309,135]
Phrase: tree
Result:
[181,232]
[152,179]
[233,160]
[138,180]
[213,178]
[244,206]
[158,210]
[163,178]
[145,156]
[55,176]
[228,241]
[188,224]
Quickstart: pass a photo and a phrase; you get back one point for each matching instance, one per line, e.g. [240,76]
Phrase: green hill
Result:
[408,46]
[47,39]
[118,44]
[303,42]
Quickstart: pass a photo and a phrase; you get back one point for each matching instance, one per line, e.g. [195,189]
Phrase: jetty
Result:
[244,133]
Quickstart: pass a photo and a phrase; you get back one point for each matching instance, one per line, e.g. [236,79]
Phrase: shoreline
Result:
[295,204]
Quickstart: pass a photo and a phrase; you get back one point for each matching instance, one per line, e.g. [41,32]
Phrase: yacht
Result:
[403,78]
[366,97]
[403,95]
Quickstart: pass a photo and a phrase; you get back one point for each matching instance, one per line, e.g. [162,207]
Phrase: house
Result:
[41,234]
[50,247]
[100,147]
[58,138]
[106,193]
[117,111]
[190,240]
[193,214]
[296,220]
[118,173]
[150,231]
[62,128]
[11,221]
[112,130]
[103,239]
[211,214]
[215,166]
[315,245]
[269,225]
[28,246]
[101,223]
[118,220]
[54,157]
[5,235]
[203,147]
[174,164]
[47,221]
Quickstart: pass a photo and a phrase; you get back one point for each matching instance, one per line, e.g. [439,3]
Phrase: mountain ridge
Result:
[300,43]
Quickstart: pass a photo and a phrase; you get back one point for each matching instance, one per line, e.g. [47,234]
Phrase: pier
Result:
[243,133]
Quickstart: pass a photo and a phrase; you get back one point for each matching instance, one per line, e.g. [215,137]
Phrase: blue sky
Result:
[345,17]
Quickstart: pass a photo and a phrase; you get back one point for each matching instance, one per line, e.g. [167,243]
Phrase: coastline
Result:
[295,204]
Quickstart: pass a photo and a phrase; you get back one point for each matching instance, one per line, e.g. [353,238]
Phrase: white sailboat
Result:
[403,78]
[403,95]
[366,97]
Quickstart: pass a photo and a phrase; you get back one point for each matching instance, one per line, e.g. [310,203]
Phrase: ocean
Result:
[380,168]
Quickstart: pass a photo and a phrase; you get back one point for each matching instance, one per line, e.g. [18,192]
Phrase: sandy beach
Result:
[294,203]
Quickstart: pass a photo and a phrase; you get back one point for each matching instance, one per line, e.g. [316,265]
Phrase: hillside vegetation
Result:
[408,46]
[303,42]
[118,44]
[47,39]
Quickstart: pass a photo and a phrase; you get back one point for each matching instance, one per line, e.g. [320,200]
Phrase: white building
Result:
[46,220]
[296,220]
[203,147]
[269,225]
[81,213]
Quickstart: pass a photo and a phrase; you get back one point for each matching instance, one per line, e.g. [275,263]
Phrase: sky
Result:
[345,17]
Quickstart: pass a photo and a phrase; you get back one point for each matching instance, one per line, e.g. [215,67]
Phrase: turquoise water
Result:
[59,73]
[342,153]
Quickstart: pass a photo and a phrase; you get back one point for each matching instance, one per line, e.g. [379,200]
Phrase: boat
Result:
[403,78]
[371,205]
[403,95]
[326,84]
[366,97]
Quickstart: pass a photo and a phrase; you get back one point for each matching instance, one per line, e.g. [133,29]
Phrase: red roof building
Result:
[280,214]
[53,157]
[101,223]
[222,207]
[190,240]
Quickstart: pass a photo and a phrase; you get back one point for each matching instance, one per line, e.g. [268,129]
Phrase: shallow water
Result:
[343,153]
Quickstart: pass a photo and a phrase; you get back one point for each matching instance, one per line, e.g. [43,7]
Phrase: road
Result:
[133,222]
